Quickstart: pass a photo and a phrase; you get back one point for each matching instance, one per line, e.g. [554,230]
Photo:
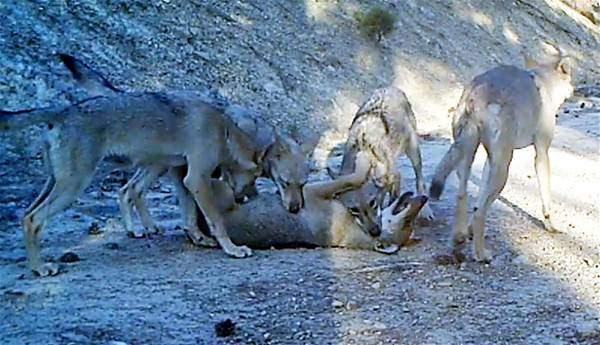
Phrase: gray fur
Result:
[384,127]
[145,129]
[505,108]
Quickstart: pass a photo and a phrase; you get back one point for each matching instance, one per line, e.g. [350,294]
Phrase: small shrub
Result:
[375,22]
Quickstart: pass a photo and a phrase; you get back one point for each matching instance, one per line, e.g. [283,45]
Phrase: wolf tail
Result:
[88,78]
[466,139]
[16,120]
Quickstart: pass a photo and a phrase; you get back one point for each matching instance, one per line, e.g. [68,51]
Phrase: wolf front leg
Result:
[414,155]
[542,169]
[189,210]
[197,182]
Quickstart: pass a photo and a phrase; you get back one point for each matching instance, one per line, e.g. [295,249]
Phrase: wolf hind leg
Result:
[67,186]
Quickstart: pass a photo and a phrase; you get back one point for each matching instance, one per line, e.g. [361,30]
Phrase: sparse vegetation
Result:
[375,22]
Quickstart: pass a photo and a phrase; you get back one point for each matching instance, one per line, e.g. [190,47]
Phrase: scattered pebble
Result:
[112,246]
[337,304]
[69,257]
[94,229]
[225,328]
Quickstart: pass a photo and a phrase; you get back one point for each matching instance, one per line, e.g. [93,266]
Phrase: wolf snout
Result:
[294,207]
[374,230]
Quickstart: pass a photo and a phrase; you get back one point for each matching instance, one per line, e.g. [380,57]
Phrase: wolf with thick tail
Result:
[148,128]
[505,108]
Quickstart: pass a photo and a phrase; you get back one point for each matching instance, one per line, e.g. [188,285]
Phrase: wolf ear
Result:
[308,144]
[564,66]
[402,200]
[529,62]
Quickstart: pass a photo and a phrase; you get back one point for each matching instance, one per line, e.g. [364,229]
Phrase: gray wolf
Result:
[170,128]
[505,108]
[283,159]
[385,127]
[262,223]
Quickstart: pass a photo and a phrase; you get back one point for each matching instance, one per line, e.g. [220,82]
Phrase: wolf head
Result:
[286,164]
[554,74]
[363,204]
[397,218]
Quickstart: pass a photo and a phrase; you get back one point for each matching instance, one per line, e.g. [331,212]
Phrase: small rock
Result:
[271,87]
[94,229]
[520,260]
[587,329]
[68,257]
[444,284]
[380,326]
[267,335]
[112,246]
[14,293]
[74,337]
[337,304]
[376,286]
[116,342]
[351,305]
[225,328]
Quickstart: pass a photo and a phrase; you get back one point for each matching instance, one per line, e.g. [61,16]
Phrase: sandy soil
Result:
[540,288]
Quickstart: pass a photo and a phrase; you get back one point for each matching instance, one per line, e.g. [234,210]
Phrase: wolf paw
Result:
[208,243]
[238,252]
[198,239]
[136,234]
[46,270]
[483,256]
[155,230]
[550,227]
[426,214]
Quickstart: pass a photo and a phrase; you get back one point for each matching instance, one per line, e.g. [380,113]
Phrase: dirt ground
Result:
[540,288]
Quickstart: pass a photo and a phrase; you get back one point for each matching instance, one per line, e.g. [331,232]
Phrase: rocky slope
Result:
[303,64]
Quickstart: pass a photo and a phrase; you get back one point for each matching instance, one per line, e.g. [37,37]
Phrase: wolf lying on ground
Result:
[385,127]
[174,129]
[505,108]
[283,160]
[262,223]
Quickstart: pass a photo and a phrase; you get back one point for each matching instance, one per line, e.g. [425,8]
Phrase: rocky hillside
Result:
[304,63]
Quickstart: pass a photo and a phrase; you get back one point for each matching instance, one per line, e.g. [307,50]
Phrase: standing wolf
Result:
[283,160]
[505,108]
[173,129]
[385,127]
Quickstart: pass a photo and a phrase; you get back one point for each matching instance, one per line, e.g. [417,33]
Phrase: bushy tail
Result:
[88,78]
[16,120]
[466,142]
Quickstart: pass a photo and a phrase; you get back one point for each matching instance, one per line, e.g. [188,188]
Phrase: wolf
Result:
[284,161]
[262,223]
[385,127]
[171,128]
[505,108]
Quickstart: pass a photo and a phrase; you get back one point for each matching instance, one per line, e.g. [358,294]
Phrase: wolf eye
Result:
[373,203]
[354,210]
